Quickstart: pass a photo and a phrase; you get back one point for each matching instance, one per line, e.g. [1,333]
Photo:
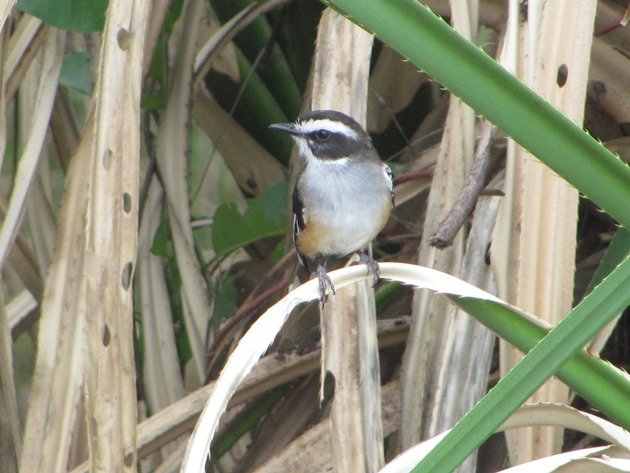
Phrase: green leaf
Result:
[601,384]
[618,249]
[225,302]
[265,216]
[172,15]
[161,245]
[278,252]
[155,89]
[247,420]
[275,71]
[434,47]
[155,92]
[83,16]
[609,298]
[256,106]
[76,72]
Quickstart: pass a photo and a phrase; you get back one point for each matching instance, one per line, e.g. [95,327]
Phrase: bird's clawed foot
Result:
[324,283]
[372,265]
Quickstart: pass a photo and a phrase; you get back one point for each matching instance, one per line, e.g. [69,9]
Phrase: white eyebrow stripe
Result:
[310,126]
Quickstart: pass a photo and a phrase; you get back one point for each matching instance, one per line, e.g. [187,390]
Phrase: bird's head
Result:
[328,135]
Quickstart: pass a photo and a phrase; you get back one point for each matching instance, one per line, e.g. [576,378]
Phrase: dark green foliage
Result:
[76,72]
[265,216]
[82,16]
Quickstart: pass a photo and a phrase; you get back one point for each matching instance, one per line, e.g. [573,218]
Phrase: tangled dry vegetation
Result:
[144,228]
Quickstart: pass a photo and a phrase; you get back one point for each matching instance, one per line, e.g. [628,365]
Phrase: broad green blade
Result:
[570,335]
[433,46]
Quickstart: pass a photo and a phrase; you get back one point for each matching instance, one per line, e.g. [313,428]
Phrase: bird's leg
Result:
[324,280]
[372,265]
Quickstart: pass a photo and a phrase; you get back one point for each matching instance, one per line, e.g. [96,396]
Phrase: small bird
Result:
[344,195]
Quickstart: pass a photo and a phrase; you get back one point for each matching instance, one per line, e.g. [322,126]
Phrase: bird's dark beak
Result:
[285,128]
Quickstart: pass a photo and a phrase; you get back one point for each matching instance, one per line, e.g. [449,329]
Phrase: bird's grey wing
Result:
[298,222]
[390,178]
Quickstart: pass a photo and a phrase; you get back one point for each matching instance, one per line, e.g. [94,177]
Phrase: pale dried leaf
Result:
[223,35]
[432,317]
[348,330]
[406,191]
[386,98]
[270,372]
[162,379]
[262,332]
[288,419]
[310,452]
[19,307]
[535,414]
[171,149]
[111,239]
[41,222]
[253,168]
[24,44]
[58,371]
[536,256]
[571,418]
[608,68]
[463,379]
[609,15]
[491,12]
[53,52]
[3,101]
[591,460]
[8,394]
[225,60]
[5,11]
[22,260]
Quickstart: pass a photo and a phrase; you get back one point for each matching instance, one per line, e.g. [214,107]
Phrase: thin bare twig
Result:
[467,198]
[244,313]
[413,175]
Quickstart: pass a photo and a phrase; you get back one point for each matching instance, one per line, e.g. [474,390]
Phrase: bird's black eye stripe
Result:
[321,135]
[327,143]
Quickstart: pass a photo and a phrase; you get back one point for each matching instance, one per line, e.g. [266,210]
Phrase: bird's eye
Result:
[322,135]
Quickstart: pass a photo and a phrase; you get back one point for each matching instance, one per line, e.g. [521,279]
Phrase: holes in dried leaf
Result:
[107,335]
[124,38]
[107,159]
[126,202]
[562,75]
[329,386]
[599,87]
[126,275]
